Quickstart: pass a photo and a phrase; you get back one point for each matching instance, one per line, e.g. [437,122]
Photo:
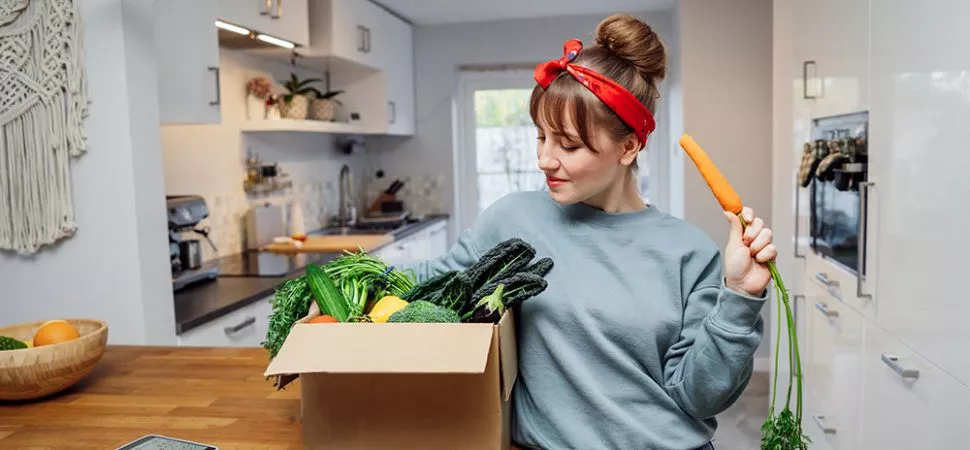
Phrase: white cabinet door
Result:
[902,412]
[285,19]
[236,329]
[833,359]
[187,61]
[292,22]
[354,30]
[918,160]
[262,310]
[395,253]
[397,62]
[438,240]
[831,44]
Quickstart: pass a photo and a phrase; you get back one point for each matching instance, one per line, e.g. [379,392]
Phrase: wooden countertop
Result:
[214,396]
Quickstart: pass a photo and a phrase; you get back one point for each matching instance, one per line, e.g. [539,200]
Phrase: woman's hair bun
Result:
[634,41]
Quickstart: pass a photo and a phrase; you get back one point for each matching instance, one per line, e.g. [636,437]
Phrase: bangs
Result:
[565,100]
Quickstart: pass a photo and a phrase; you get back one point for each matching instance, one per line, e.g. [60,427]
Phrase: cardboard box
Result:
[399,386]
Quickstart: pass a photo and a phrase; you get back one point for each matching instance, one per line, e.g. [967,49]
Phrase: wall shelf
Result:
[303,126]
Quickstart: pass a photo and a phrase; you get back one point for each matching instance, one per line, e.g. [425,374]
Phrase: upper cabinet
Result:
[187,62]
[399,76]
[832,55]
[356,41]
[284,19]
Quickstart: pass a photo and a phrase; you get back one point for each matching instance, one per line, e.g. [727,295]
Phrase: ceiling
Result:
[425,12]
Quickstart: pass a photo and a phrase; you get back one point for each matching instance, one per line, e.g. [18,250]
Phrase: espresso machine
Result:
[184,214]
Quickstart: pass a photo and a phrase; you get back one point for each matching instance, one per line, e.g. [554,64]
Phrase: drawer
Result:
[236,329]
[909,402]
[834,365]
[262,309]
[838,282]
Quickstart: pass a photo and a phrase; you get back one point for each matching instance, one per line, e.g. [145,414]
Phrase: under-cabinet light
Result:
[233,28]
[275,41]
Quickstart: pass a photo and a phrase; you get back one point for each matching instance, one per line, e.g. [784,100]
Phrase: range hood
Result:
[237,37]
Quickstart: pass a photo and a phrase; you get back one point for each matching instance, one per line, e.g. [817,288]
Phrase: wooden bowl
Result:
[35,372]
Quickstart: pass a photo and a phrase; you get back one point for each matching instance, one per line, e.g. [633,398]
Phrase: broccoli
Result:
[421,311]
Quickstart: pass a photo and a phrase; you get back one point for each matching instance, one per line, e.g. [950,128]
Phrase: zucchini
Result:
[507,257]
[330,300]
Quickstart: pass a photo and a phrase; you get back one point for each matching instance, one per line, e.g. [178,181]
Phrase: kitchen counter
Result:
[214,396]
[206,301]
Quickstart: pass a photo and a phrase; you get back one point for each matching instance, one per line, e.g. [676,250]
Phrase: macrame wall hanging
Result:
[43,104]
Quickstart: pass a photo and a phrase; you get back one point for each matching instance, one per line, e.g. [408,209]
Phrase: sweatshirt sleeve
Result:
[709,366]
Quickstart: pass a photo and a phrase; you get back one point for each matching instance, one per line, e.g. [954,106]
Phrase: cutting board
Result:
[334,244]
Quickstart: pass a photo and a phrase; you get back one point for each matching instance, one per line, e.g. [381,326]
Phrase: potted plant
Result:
[324,105]
[295,103]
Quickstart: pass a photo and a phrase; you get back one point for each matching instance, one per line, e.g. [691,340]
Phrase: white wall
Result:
[439,52]
[209,160]
[114,269]
[726,63]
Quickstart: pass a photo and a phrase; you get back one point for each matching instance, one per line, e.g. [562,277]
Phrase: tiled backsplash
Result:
[227,212]
[421,194]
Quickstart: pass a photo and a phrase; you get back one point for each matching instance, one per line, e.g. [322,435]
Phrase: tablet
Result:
[156,442]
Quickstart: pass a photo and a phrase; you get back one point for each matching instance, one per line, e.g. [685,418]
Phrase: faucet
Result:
[346,210]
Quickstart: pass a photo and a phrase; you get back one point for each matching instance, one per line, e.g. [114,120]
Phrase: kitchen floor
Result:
[739,428]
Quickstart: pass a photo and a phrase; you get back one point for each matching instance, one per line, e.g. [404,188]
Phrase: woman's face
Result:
[576,173]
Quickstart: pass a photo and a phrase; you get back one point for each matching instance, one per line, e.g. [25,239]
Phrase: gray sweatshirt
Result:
[635,344]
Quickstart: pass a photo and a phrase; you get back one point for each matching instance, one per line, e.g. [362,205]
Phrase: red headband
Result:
[630,110]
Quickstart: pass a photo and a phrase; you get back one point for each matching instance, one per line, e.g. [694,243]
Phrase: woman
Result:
[643,334]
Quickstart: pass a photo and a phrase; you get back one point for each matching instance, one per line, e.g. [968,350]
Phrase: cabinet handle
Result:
[218,100]
[823,278]
[366,40]
[863,235]
[393,112]
[361,46]
[892,360]
[820,421]
[824,308]
[797,210]
[249,321]
[805,79]
[277,12]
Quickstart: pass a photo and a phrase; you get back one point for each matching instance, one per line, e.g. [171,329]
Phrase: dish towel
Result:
[43,104]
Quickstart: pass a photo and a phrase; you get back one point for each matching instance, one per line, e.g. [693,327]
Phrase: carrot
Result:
[781,431]
[726,195]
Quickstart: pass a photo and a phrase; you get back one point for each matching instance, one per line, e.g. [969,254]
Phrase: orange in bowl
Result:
[54,332]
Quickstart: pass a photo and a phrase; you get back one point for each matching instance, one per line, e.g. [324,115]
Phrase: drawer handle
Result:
[823,278]
[892,360]
[820,421]
[240,326]
[824,308]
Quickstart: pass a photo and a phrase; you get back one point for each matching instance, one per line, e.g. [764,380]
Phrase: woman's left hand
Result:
[747,252]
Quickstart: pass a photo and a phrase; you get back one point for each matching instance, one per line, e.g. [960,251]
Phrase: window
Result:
[495,150]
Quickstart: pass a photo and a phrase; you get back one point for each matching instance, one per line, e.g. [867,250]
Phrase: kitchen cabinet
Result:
[244,327]
[833,360]
[349,30]
[831,48]
[424,245]
[288,20]
[918,207]
[910,403]
[399,76]
[187,61]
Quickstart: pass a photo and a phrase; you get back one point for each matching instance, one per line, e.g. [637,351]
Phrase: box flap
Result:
[508,353]
[383,348]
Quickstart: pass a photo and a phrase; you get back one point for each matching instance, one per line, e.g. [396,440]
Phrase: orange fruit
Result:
[53,332]
[322,319]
